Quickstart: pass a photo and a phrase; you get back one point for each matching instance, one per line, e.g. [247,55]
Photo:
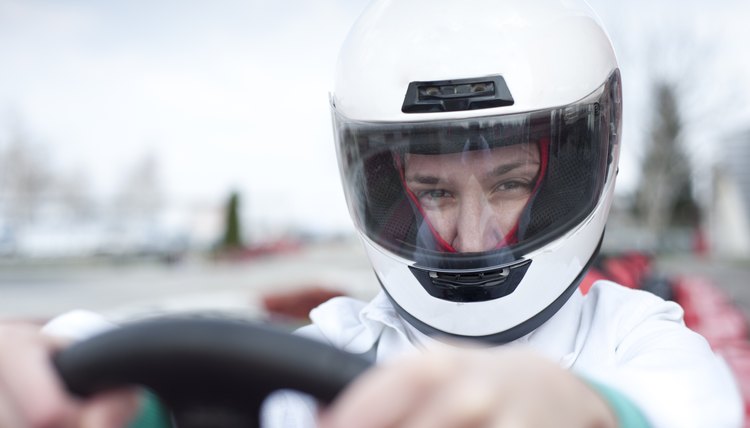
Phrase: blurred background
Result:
[160,155]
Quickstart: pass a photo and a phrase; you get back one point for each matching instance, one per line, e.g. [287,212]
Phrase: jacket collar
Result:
[360,328]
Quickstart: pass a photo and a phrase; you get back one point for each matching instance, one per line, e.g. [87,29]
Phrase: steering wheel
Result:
[207,371]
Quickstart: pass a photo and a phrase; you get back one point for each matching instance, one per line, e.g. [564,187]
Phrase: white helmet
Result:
[478,145]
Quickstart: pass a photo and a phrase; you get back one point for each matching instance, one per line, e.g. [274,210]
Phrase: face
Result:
[474,199]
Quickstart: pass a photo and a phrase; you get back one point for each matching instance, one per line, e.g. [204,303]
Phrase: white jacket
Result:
[629,340]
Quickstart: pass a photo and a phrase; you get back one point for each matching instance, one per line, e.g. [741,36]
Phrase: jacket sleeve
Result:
[650,356]
[628,415]
[152,414]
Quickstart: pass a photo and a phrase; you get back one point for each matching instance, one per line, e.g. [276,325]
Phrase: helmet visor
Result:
[477,192]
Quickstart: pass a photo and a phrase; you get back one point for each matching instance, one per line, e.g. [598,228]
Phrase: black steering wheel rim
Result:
[207,371]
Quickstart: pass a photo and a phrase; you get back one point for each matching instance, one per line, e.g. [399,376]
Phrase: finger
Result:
[513,420]
[30,381]
[114,409]
[9,416]
[465,403]
[385,395]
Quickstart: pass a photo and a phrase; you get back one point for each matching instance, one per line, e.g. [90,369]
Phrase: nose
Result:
[477,227]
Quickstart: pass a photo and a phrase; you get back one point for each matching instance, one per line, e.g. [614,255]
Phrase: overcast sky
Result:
[233,94]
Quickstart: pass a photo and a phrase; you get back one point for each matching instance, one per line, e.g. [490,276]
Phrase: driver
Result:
[478,145]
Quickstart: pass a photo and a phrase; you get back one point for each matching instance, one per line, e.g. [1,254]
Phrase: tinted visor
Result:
[478,192]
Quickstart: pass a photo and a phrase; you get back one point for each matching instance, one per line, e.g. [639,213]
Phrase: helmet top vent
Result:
[457,95]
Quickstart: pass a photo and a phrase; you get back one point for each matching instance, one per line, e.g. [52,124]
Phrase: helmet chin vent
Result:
[477,286]
[481,279]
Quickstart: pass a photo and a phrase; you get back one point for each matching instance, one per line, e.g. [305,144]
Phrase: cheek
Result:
[507,213]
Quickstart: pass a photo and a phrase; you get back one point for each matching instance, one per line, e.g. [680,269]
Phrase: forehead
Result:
[473,160]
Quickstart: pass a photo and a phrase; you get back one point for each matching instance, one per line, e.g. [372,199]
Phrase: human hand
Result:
[32,396]
[469,388]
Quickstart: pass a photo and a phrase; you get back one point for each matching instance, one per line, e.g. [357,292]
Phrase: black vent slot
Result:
[480,279]
[457,95]
[476,286]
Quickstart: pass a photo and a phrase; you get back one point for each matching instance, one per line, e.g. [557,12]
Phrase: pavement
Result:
[132,290]
[128,290]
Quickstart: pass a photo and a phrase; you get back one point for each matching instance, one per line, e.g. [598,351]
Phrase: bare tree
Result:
[73,193]
[140,198]
[664,196]
[25,177]
[687,117]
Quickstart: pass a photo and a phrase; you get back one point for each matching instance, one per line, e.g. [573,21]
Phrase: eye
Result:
[435,198]
[515,186]
[434,194]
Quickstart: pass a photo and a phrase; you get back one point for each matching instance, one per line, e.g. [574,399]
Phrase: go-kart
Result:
[208,372]
[216,373]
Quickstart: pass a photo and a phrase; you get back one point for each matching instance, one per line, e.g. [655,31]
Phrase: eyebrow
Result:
[423,179]
[504,169]
[499,171]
